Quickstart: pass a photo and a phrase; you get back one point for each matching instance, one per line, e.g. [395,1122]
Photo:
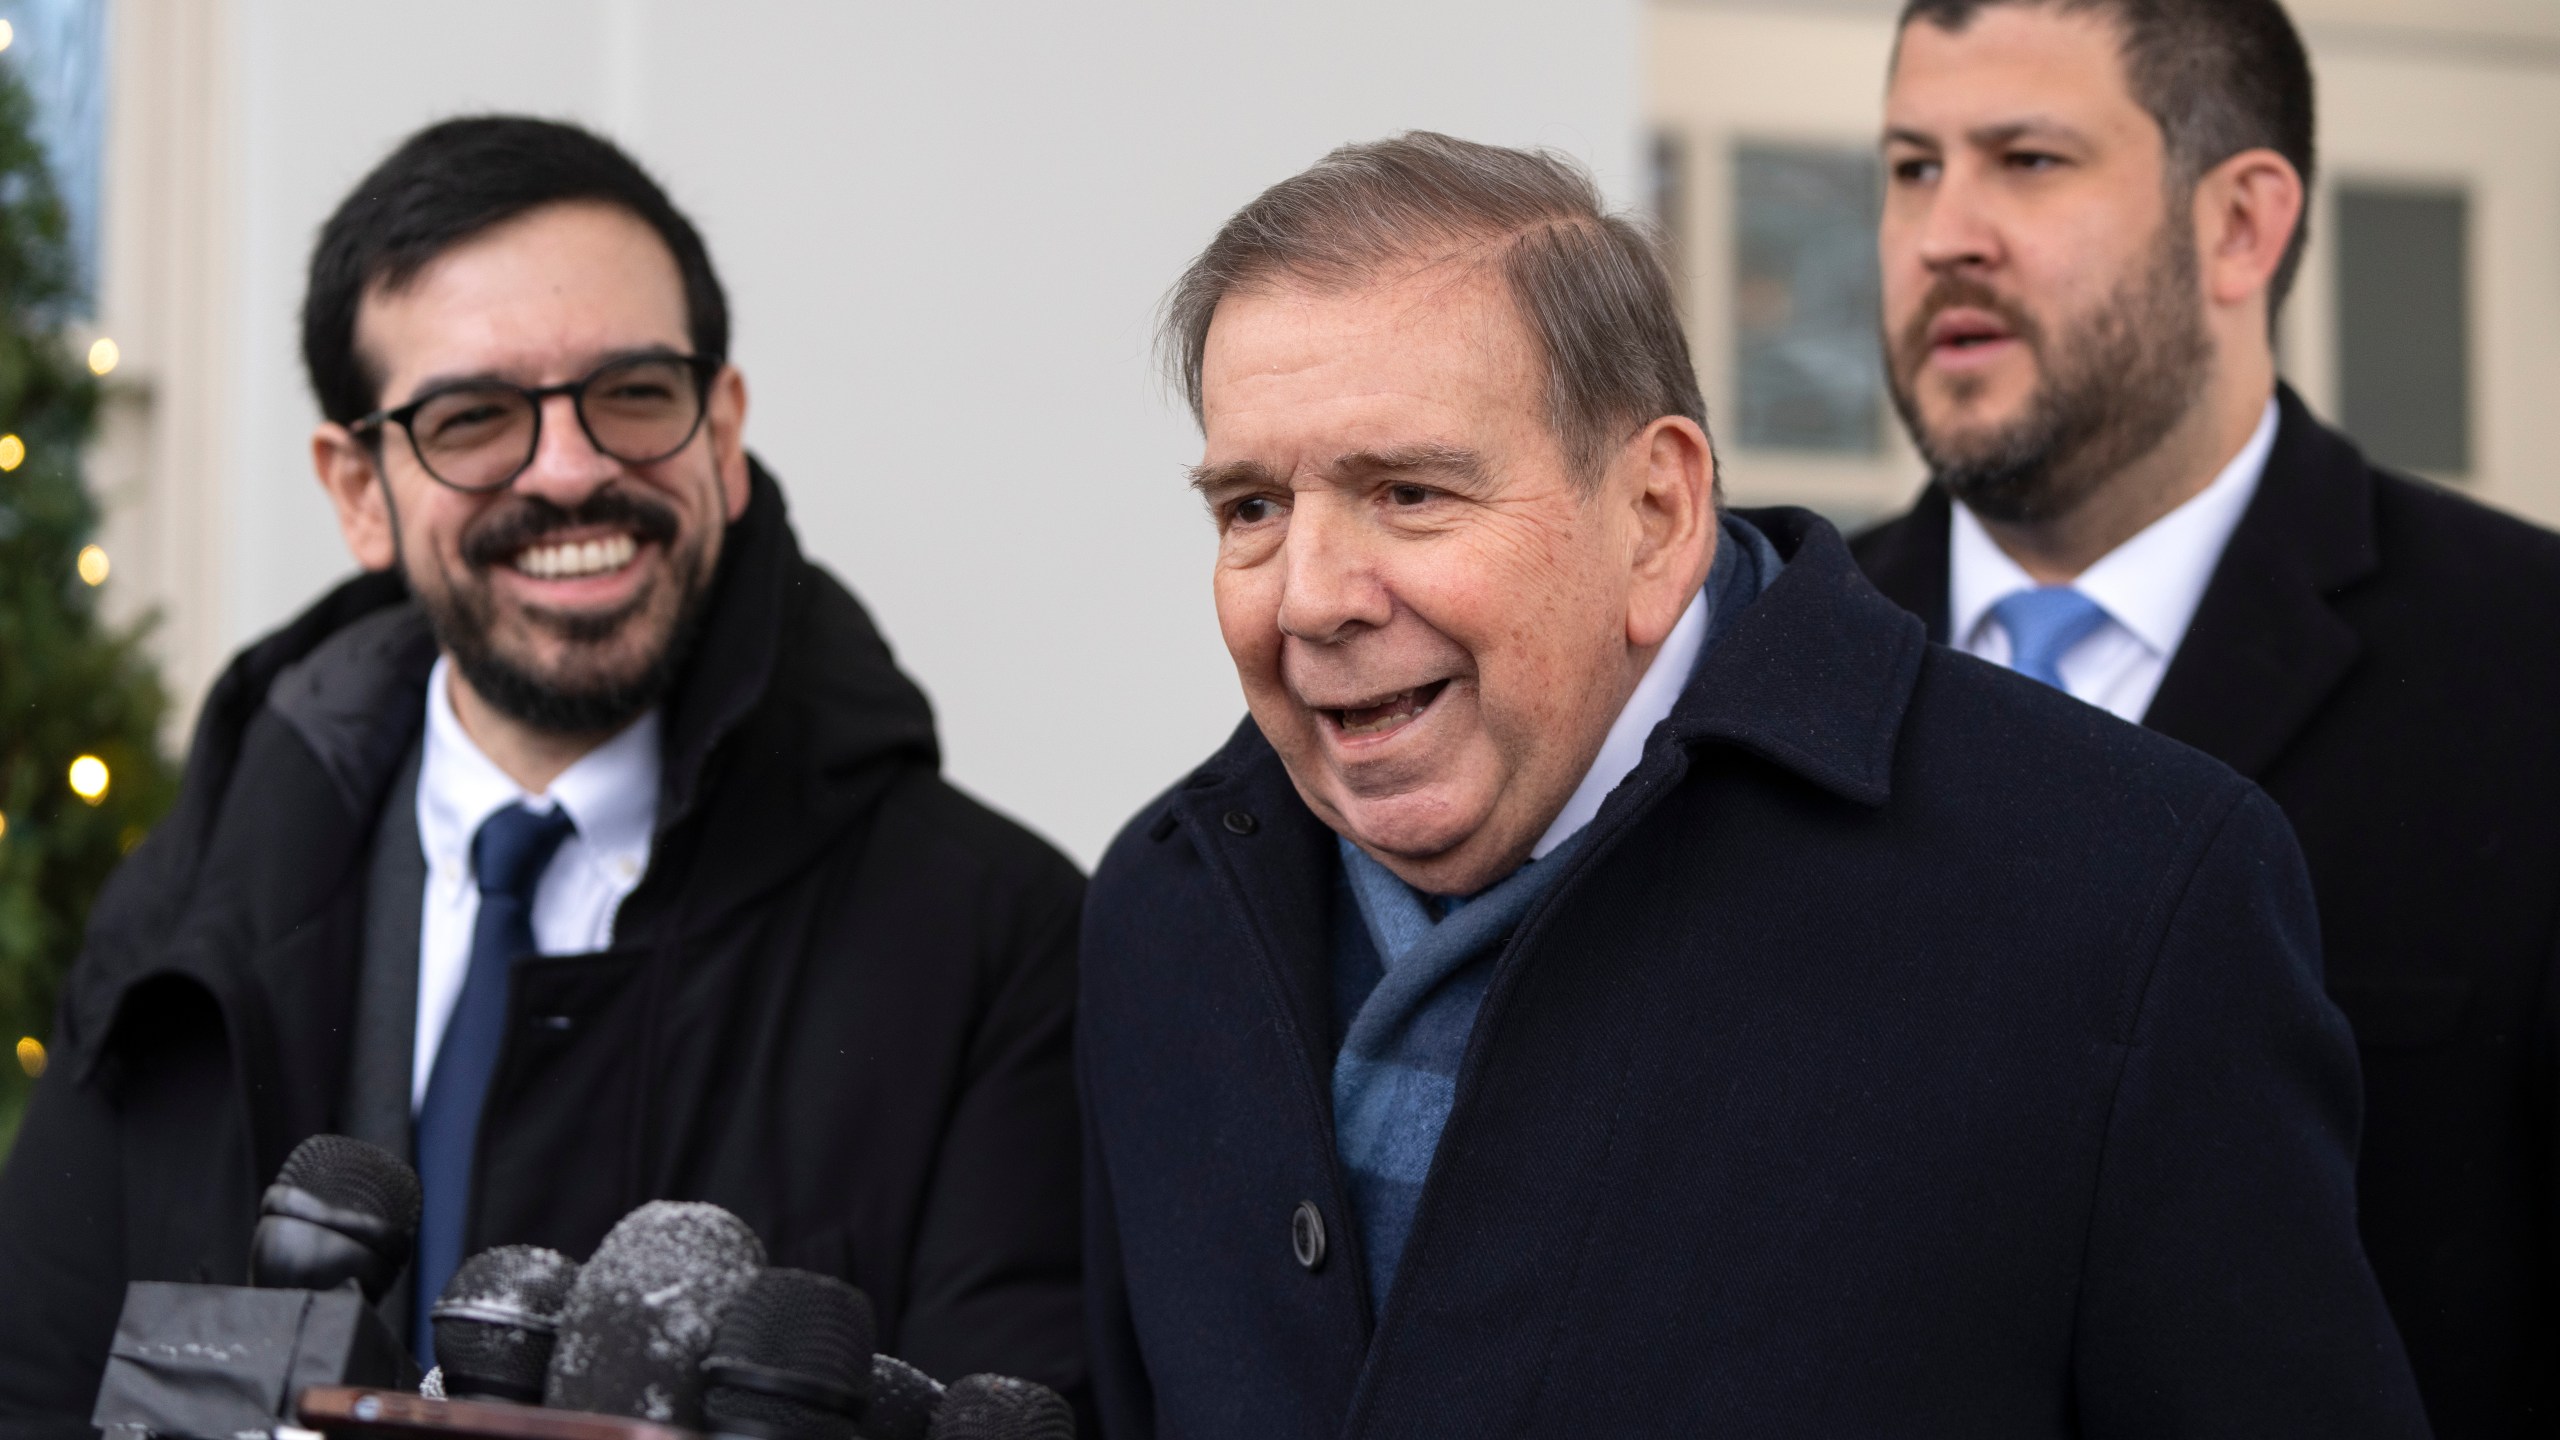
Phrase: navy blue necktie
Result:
[508,856]
[2043,625]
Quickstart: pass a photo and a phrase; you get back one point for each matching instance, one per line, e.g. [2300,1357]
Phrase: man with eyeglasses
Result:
[588,849]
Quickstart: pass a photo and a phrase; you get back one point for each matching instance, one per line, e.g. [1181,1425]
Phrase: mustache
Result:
[1911,347]
[504,533]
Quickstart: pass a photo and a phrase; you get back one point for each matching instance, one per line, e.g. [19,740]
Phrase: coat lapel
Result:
[2265,648]
[1907,559]
[1279,860]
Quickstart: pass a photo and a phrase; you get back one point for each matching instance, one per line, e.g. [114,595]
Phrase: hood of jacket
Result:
[786,722]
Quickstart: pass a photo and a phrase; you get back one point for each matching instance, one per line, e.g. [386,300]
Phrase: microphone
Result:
[496,1321]
[643,1311]
[340,1210]
[903,1401]
[792,1361]
[213,1362]
[999,1407]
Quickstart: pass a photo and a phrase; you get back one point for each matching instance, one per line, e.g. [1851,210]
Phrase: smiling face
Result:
[563,599]
[1434,621]
[2044,322]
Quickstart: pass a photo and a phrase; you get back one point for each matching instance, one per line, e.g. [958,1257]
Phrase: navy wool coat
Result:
[1909,1049]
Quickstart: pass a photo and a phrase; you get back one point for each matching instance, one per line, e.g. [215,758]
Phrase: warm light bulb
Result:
[103,356]
[89,778]
[4,827]
[93,564]
[6,34]
[30,1049]
[13,452]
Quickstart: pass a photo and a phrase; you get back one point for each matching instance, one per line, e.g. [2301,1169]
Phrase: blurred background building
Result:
[946,227]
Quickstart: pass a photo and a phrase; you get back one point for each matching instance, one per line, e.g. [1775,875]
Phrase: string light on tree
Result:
[30,1049]
[93,564]
[103,356]
[89,779]
[13,451]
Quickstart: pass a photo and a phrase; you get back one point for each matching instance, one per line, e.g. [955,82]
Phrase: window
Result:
[1808,375]
[2404,373]
[58,50]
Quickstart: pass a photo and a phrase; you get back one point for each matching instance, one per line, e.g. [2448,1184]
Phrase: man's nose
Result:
[567,467]
[1331,588]
[1957,230]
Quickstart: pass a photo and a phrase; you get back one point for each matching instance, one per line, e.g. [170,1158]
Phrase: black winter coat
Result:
[2384,657]
[1907,1050]
[838,1003]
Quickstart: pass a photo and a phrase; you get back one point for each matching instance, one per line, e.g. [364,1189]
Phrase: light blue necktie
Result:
[2043,625]
[508,856]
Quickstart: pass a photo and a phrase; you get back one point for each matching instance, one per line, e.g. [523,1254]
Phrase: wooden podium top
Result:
[345,1411]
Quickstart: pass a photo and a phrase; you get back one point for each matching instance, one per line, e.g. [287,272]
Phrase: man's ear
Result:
[2247,210]
[1673,498]
[357,492]
[727,422]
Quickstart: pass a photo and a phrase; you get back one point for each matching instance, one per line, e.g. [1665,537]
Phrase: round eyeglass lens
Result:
[642,410]
[475,438]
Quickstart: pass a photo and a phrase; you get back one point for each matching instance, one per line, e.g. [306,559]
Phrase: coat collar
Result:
[2265,647]
[1816,675]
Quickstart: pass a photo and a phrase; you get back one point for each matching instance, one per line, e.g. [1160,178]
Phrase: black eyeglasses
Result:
[480,435]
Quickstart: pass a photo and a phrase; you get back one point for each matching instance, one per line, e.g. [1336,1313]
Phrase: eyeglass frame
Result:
[705,369]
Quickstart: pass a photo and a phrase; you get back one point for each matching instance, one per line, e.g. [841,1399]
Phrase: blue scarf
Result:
[1396,1073]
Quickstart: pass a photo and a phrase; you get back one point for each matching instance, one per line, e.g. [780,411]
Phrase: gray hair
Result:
[1590,284]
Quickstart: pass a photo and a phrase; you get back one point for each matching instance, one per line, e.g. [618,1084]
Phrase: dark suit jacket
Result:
[1906,1050]
[2384,658]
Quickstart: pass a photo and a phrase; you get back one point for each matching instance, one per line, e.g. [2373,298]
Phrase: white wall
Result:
[944,228]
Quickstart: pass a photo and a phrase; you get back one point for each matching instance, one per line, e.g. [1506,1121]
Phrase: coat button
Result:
[1306,1235]
[1240,823]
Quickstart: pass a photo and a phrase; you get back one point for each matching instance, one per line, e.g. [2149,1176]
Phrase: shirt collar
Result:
[611,792]
[2151,584]
[1649,706]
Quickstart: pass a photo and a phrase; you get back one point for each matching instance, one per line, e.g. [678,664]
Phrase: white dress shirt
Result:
[611,794]
[1649,706]
[2149,586]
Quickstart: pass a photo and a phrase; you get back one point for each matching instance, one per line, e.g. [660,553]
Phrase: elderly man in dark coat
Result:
[752,948]
[1624,980]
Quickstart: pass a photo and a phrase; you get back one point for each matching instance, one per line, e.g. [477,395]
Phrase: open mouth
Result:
[576,559]
[1392,713]
[1964,330]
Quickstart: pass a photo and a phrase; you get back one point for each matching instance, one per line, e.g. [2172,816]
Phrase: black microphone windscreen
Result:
[644,1309]
[903,1401]
[999,1407]
[792,1361]
[353,1175]
[497,1320]
[340,1210]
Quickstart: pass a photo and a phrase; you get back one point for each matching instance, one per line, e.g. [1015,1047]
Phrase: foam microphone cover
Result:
[497,1320]
[999,1407]
[643,1311]
[340,1210]
[903,1401]
[792,1361]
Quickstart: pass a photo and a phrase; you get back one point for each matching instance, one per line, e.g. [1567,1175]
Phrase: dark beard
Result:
[464,616]
[2107,395]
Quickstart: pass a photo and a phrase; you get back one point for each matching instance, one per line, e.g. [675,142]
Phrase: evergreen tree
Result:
[74,693]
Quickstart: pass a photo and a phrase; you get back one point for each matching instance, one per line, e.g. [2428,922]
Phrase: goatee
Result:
[592,701]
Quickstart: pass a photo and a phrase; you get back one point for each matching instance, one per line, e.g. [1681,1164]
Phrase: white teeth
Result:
[577,558]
